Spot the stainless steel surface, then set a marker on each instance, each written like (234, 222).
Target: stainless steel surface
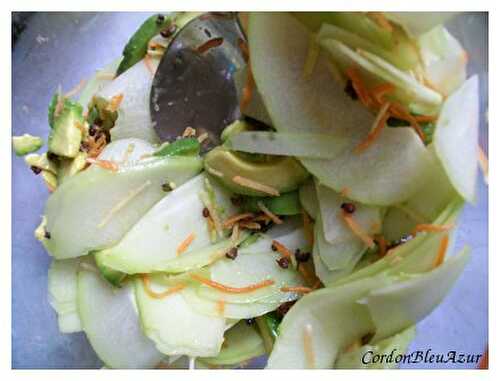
(193, 88)
(62, 48)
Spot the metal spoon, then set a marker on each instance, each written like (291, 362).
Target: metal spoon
(194, 84)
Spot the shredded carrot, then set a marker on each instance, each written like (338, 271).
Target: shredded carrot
(382, 245)
(443, 246)
(316, 284)
(247, 92)
(149, 65)
(431, 228)
(59, 104)
(359, 88)
(308, 228)
(188, 132)
(159, 295)
(238, 217)
(262, 217)
(185, 244)
(298, 289)
(376, 130)
(381, 20)
(230, 289)
(483, 164)
(282, 249)
(75, 90)
(425, 118)
(242, 44)
(380, 91)
(114, 103)
(308, 275)
(270, 214)
(356, 229)
(250, 225)
(308, 346)
(221, 306)
(105, 164)
(248, 183)
(210, 44)
(399, 111)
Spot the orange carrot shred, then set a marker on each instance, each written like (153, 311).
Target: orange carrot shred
(308, 229)
(443, 245)
(382, 245)
(282, 249)
(247, 92)
(185, 244)
(149, 65)
(431, 228)
(221, 306)
(159, 295)
(356, 229)
(114, 103)
(250, 225)
(359, 87)
(230, 289)
(213, 43)
(270, 214)
(105, 164)
(380, 91)
(238, 217)
(484, 361)
(483, 164)
(298, 289)
(75, 90)
(379, 124)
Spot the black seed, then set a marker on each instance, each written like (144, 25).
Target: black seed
(166, 187)
(93, 130)
(250, 321)
(302, 256)
(84, 147)
(47, 234)
(348, 207)
(395, 122)
(35, 170)
(206, 212)
(273, 247)
(366, 338)
(168, 32)
(284, 308)
(283, 262)
(207, 33)
(160, 19)
(349, 89)
(232, 253)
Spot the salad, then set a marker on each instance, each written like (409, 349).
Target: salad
(320, 229)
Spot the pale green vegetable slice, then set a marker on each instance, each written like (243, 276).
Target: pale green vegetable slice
(321, 323)
(364, 357)
(417, 23)
(95, 208)
(456, 136)
(250, 267)
(400, 305)
(376, 70)
(62, 289)
(390, 171)
(134, 119)
(209, 307)
(415, 255)
(326, 320)
(309, 199)
(444, 59)
(96, 83)
(110, 321)
(334, 228)
(175, 327)
(154, 240)
(309, 145)
(127, 150)
(241, 343)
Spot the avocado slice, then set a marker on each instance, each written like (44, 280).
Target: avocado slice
(180, 147)
(284, 174)
(65, 136)
(41, 162)
(26, 144)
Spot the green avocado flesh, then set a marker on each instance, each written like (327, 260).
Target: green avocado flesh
(284, 174)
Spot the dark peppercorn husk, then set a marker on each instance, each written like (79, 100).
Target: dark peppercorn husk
(93, 130)
(206, 213)
(250, 321)
(348, 207)
(232, 253)
(168, 32)
(52, 156)
(84, 147)
(166, 187)
(273, 247)
(35, 170)
(47, 234)
(160, 19)
(301, 256)
(349, 89)
(366, 338)
(282, 310)
(283, 262)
